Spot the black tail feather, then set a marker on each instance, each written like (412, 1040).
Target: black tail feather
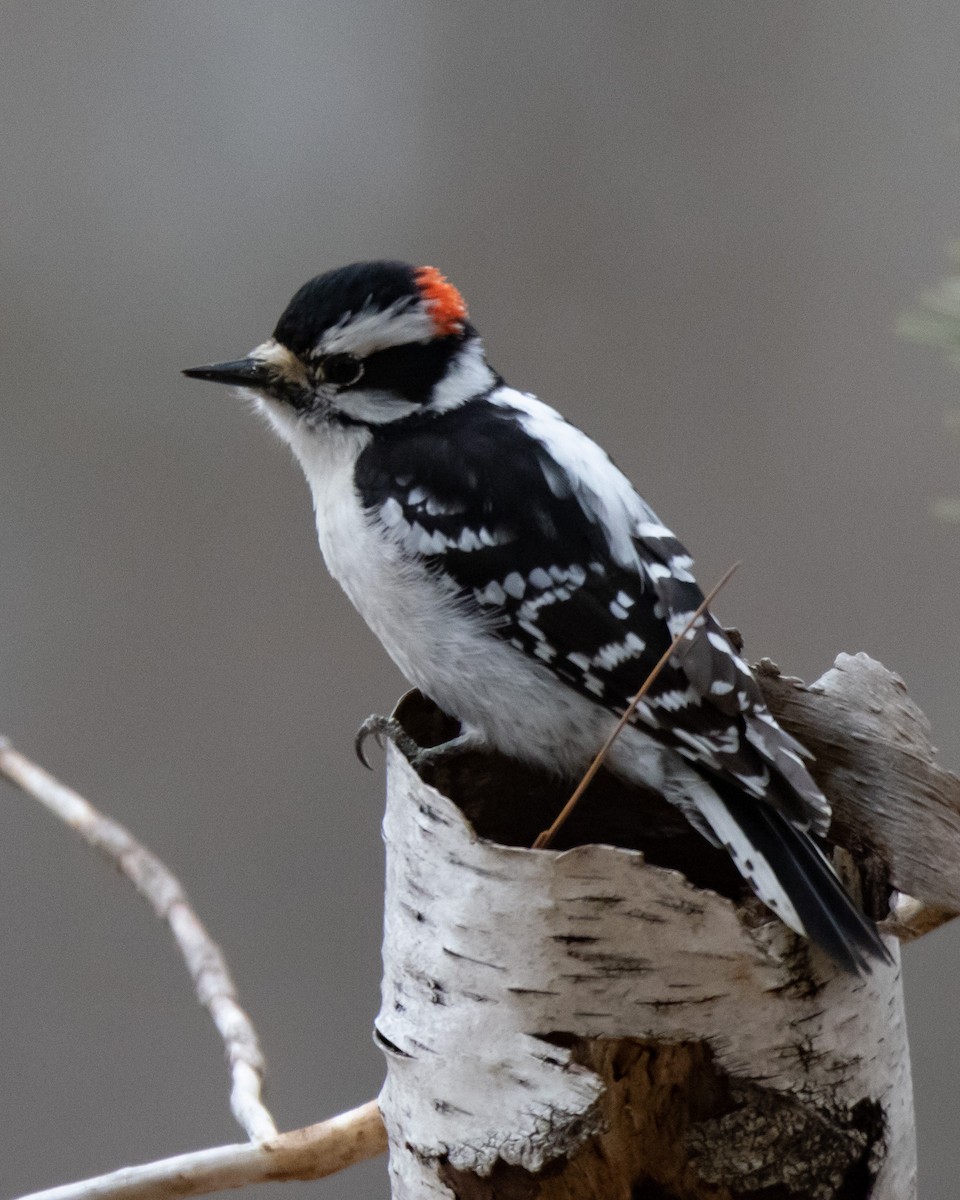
(830, 918)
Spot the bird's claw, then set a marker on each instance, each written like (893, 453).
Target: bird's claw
(419, 757)
(378, 728)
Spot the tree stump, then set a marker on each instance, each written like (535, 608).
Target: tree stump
(619, 1017)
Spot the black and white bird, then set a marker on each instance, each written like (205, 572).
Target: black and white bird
(516, 577)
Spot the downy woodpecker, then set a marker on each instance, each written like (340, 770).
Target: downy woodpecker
(516, 577)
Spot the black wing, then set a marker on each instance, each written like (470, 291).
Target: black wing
(486, 504)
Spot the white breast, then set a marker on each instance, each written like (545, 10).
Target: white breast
(511, 700)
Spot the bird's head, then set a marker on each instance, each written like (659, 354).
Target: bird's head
(368, 344)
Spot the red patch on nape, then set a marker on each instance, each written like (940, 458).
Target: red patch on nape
(445, 303)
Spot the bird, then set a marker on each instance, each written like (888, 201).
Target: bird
(518, 579)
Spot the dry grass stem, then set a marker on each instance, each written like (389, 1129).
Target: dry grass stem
(547, 836)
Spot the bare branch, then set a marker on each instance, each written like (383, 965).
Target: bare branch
(308, 1153)
(910, 918)
(161, 889)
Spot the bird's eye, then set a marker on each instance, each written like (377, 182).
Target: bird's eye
(341, 369)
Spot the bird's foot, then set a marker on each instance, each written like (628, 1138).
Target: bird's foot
(419, 757)
(378, 728)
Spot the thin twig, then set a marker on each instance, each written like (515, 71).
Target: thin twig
(546, 837)
(309, 1153)
(161, 889)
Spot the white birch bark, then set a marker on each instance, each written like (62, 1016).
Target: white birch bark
(491, 951)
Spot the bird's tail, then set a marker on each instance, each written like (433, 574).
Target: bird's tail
(790, 874)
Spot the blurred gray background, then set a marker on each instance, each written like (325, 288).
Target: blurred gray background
(690, 226)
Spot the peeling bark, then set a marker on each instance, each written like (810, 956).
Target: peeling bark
(622, 1020)
(674, 1125)
(874, 760)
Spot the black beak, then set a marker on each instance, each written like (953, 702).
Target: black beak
(244, 372)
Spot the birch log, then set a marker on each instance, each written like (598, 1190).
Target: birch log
(622, 1021)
